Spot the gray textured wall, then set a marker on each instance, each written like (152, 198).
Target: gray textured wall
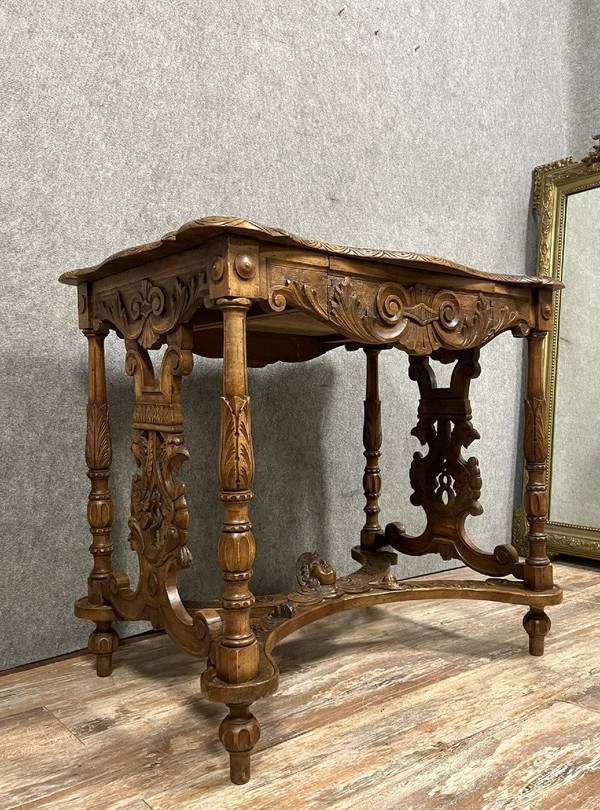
(409, 125)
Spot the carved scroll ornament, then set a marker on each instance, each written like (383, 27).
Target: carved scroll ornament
(417, 318)
(149, 311)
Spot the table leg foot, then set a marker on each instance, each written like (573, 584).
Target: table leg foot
(239, 733)
(537, 624)
(102, 643)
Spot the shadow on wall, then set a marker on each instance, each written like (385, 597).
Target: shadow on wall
(289, 408)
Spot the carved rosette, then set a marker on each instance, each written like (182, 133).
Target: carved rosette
(417, 318)
(150, 310)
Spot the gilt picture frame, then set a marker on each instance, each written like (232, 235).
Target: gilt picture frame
(553, 184)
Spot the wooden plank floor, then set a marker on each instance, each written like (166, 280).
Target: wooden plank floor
(419, 706)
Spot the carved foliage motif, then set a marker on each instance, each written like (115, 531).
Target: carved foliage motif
(159, 513)
(297, 294)
(149, 311)
(431, 319)
(236, 464)
(575, 543)
(98, 452)
(444, 481)
(535, 441)
(592, 161)
(417, 318)
(372, 436)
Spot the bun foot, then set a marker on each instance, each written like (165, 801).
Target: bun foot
(102, 643)
(537, 624)
(239, 733)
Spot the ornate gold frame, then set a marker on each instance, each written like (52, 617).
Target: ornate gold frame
(552, 183)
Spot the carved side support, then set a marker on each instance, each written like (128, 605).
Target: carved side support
(237, 652)
(446, 484)
(537, 570)
(372, 444)
(159, 513)
(98, 453)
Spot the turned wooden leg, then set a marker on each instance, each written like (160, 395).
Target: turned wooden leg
(239, 733)
(537, 569)
(102, 643)
(537, 624)
(237, 652)
(372, 445)
(98, 454)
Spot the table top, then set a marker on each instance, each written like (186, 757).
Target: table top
(199, 231)
(304, 297)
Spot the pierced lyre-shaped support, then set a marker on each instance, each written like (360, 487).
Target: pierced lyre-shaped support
(446, 484)
(159, 514)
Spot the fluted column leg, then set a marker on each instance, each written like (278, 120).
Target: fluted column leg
(537, 569)
(98, 453)
(372, 443)
(237, 653)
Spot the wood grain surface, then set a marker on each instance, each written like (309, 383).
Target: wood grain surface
(435, 705)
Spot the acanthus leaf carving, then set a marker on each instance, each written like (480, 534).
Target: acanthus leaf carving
(417, 318)
(421, 319)
(297, 294)
(98, 451)
(236, 462)
(150, 310)
(535, 440)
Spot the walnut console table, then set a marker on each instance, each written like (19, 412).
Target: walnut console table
(222, 287)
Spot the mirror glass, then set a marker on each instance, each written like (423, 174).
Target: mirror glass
(575, 472)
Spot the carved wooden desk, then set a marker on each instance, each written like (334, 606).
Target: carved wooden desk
(253, 295)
